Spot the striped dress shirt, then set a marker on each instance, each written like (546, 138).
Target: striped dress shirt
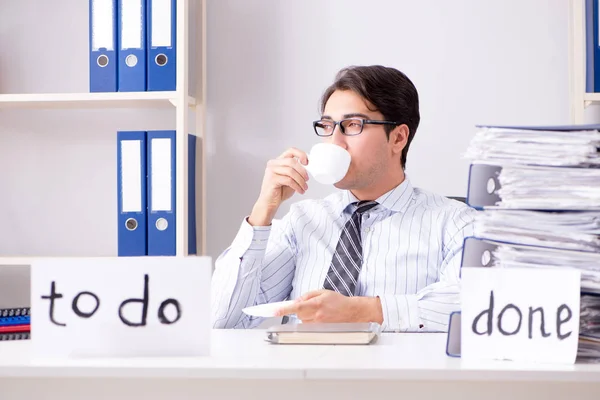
(412, 247)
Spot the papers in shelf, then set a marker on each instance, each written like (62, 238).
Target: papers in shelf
(555, 146)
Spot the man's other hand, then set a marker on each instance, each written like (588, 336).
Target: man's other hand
(329, 306)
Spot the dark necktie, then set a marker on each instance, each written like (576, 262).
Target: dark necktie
(347, 259)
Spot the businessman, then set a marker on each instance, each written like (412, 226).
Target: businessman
(378, 250)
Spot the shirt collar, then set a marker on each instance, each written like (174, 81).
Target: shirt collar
(396, 199)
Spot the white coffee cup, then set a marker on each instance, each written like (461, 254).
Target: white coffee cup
(328, 163)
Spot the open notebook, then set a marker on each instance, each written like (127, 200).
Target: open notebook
(324, 333)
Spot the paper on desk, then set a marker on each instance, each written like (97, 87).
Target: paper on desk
(267, 309)
(492, 329)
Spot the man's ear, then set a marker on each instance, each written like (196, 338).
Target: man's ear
(399, 138)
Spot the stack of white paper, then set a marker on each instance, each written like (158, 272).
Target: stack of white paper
(588, 348)
(511, 256)
(548, 213)
(575, 230)
(536, 146)
(554, 188)
(590, 316)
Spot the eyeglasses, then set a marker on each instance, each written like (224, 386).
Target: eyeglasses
(348, 127)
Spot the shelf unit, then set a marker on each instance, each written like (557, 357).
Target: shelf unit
(186, 105)
(92, 100)
(579, 99)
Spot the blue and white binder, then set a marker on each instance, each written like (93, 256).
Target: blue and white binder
(192, 234)
(161, 193)
(132, 45)
(103, 45)
(453, 339)
(483, 186)
(131, 193)
(593, 54)
(591, 43)
(162, 67)
(478, 252)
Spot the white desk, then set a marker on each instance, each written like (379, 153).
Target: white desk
(243, 366)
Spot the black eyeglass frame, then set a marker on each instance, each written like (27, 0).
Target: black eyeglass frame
(343, 130)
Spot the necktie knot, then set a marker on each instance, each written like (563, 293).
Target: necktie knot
(364, 206)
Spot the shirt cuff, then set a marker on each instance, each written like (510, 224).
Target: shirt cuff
(400, 313)
(251, 241)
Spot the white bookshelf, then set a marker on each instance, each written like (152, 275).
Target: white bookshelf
(16, 261)
(188, 102)
(93, 100)
(590, 98)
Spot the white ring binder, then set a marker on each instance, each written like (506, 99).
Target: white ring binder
(131, 60)
(162, 224)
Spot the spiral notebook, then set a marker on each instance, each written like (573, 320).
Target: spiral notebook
(14, 336)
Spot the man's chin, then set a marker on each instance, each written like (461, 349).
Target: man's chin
(344, 184)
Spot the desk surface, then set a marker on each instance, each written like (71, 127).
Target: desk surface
(243, 354)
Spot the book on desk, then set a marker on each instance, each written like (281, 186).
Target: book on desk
(324, 333)
(15, 323)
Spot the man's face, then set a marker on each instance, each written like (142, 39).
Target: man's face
(371, 152)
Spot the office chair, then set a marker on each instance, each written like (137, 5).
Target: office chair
(461, 199)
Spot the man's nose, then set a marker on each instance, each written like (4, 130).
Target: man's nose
(337, 137)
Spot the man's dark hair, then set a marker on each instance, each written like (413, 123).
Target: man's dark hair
(386, 89)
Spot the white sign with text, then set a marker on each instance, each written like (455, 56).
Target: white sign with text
(520, 314)
(120, 306)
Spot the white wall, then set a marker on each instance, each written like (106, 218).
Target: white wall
(472, 61)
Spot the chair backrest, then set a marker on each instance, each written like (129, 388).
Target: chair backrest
(461, 199)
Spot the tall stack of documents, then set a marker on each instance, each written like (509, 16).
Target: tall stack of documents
(538, 192)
